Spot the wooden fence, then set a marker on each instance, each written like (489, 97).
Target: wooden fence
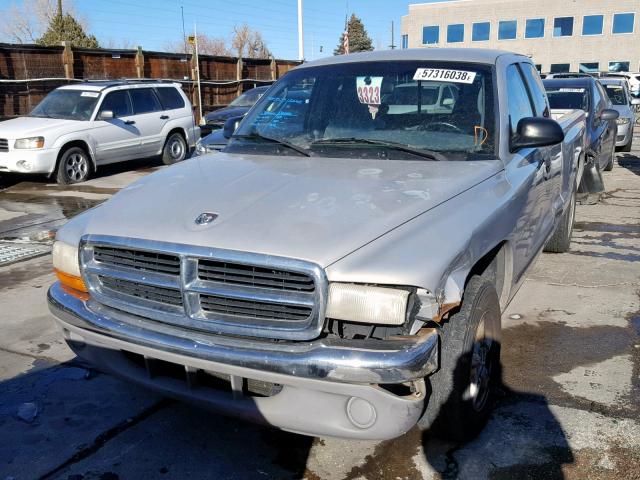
(29, 72)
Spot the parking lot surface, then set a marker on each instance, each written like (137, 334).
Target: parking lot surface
(569, 406)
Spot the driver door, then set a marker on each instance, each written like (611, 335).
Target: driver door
(116, 138)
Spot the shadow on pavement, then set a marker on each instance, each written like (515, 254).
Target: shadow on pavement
(630, 161)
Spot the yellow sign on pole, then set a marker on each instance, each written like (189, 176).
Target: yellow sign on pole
(191, 39)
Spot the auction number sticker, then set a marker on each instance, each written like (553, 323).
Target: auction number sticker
(457, 76)
(572, 90)
(90, 94)
(369, 90)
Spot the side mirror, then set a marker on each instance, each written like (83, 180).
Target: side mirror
(447, 102)
(635, 101)
(231, 125)
(536, 132)
(106, 115)
(609, 114)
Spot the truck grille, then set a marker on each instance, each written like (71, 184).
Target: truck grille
(4, 145)
(212, 290)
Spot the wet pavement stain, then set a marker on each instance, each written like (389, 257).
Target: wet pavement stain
(532, 354)
(20, 274)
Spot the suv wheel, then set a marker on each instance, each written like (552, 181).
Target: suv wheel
(462, 389)
(175, 149)
(74, 166)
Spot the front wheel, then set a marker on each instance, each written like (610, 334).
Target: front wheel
(561, 238)
(175, 149)
(74, 166)
(463, 388)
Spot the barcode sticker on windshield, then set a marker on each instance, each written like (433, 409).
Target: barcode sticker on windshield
(90, 94)
(444, 74)
(572, 90)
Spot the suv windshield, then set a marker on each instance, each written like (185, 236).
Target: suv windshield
(247, 99)
(401, 109)
(67, 104)
(568, 98)
(617, 94)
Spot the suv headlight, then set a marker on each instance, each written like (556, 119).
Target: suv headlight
(31, 142)
(367, 304)
(622, 120)
(66, 264)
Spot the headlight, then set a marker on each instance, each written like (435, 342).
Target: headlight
(622, 120)
(361, 303)
(31, 142)
(67, 265)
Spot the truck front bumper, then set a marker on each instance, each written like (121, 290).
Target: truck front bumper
(327, 387)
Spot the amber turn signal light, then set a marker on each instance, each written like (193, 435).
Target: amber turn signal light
(75, 283)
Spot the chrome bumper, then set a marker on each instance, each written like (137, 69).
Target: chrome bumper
(396, 360)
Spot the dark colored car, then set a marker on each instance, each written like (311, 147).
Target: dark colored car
(238, 107)
(586, 93)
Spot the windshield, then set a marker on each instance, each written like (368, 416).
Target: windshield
(568, 98)
(247, 99)
(67, 104)
(376, 110)
(617, 94)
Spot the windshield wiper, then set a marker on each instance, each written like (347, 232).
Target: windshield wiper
(430, 154)
(284, 143)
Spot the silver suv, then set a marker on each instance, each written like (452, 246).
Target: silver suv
(78, 128)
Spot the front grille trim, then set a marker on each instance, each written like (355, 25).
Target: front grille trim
(4, 145)
(195, 312)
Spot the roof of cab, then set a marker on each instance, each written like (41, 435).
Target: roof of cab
(474, 55)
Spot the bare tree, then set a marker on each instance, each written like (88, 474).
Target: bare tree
(206, 46)
(249, 43)
(27, 21)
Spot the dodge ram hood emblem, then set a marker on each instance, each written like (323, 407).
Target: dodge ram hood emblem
(205, 218)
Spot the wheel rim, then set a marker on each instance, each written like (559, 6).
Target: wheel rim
(481, 367)
(176, 148)
(76, 167)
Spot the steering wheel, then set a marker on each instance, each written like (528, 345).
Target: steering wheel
(450, 126)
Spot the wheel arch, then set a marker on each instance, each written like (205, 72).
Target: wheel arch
(75, 143)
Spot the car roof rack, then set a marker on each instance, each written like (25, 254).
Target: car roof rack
(127, 81)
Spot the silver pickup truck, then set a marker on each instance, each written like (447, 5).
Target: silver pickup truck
(341, 268)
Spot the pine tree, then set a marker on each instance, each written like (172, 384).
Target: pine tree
(359, 40)
(66, 28)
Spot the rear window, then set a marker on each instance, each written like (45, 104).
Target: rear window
(144, 100)
(568, 98)
(617, 94)
(170, 98)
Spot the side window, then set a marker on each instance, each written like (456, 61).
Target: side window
(603, 94)
(536, 88)
(598, 101)
(170, 98)
(518, 97)
(144, 100)
(118, 102)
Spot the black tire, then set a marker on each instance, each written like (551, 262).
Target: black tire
(609, 166)
(560, 241)
(627, 147)
(74, 166)
(458, 408)
(175, 149)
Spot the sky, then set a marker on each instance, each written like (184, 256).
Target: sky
(153, 23)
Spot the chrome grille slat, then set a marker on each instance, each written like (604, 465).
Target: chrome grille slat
(4, 145)
(206, 289)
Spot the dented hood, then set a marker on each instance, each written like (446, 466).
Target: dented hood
(316, 209)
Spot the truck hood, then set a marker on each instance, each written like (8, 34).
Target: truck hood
(24, 127)
(315, 209)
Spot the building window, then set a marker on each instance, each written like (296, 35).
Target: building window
(538, 67)
(589, 67)
(592, 24)
(481, 31)
(623, 22)
(563, 27)
(507, 29)
(405, 41)
(534, 28)
(430, 35)
(560, 67)
(455, 33)
(618, 66)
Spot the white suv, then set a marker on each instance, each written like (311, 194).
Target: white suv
(77, 128)
(633, 81)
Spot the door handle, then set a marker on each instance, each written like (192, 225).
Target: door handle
(164, 117)
(130, 122)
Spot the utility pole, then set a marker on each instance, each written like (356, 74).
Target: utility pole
(195, 34)
(393, 44)
(300, 33)
(60, 7)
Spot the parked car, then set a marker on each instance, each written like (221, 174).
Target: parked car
(633, 79)
(588, 94)
(212, 143)
(625, 104)
(338, 269)
(238, 107)
(78, 128)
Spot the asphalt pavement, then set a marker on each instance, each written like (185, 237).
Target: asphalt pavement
(569, 406)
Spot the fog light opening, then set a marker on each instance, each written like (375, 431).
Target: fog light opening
(24, 165)
(361, 413)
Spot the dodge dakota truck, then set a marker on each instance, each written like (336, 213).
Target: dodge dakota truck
(341, 267)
